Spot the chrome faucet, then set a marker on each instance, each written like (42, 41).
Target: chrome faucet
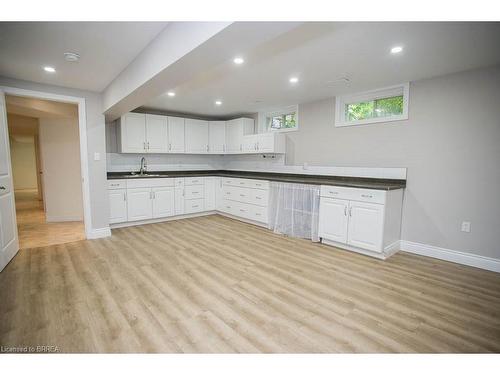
(143, 166)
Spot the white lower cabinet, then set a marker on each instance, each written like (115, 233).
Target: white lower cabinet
(333, 219)
(163, 201)
(179, 196)
(139, 205)
(368, 221)
(117, 205)
(210, 193)
(245, 198)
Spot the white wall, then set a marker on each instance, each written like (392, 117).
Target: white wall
(450, 145)
(99, 206)
(60, 155)
(23, 160)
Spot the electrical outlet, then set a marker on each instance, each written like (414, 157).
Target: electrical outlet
(305, 166)
(97, 156)
(465, 226)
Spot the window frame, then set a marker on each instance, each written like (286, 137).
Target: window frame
(280, 112)
(386, 92)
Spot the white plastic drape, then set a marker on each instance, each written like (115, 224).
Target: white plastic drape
(294, 210)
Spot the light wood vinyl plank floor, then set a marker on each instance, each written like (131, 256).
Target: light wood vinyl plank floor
(35, 231)
(213, 284)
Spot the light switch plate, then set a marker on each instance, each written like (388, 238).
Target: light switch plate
(97, 156)
(465, 226)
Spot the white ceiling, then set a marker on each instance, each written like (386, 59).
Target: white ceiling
(106, 48)
(320, 53)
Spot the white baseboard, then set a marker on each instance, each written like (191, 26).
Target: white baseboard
(490, 264)
(55, 219)
(98, 233)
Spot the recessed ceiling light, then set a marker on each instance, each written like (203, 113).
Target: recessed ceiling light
(294, 80)
(238, 60)
(218, 102)
(71, 56)
(49, 69)
(396, 49)
(171, 93)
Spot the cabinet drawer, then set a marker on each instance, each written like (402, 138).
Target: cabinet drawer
(179, 182)
(259, 197)
(150, 182)
(194, 205)
(259, 184)
(245, 210)
(231, 181)
(117, 184)
(354, 194)
(194, 191)
(259, 214)
(193, 181)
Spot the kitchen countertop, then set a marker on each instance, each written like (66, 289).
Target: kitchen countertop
(357, 182)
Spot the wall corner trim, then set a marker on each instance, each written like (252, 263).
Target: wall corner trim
(98, 233)
(486, 263)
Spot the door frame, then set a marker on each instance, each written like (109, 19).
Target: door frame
(82, 125)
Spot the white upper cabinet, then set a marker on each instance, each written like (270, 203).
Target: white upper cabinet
(196, 141)
(156, 134)
(235, 131)
(146, 133)
(132, 133)
(175, 135)
(217, 137)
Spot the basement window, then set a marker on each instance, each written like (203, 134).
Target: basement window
(282, 120)
(382, 105)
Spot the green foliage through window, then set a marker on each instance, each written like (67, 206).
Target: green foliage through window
(285, 121)
(384, 107)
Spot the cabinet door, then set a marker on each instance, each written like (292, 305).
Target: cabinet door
(196, 141)
(210, 197)
(219, 195)
(163, 202)
(133, 133)
(366, 225)
(139, 205)
(333, 219)
(234, 136)
(179, 200)
(175, 134)
(117, 206)
(217, 137)
(156, 134)
(265, 142)
(250, 144)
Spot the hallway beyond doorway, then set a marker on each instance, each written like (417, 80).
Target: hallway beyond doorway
(33, 229)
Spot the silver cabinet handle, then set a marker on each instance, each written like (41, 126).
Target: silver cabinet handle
(195, 206)
(333, 192)
(241, 147)
(242, 195)
(124, 197)
(345, 210)
(170, 147)
(242, 210)
(257, 214)
(144, 145)
(257, 145)
(367, 196)
(258, 198)
(350, 211)
(207, 148)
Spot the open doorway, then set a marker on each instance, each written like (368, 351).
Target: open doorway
(45, 157)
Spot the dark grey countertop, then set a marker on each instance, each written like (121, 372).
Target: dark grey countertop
(357, 182)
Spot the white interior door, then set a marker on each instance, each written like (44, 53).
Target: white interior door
(9, 241)
(196, 136)
(333, 219)
(175, 134)
(157, 134)
(217, 137)
(366, 225)
(163, 202)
